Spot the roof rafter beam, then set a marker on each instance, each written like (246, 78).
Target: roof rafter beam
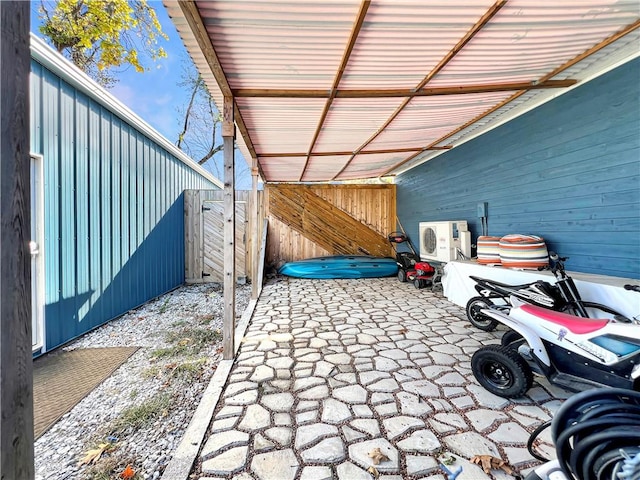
(387, 93)
(193, 18)
(606, 42)
(477, 27)
(355, 31)
(366, 152)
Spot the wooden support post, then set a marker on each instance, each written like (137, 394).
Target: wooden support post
(228, 137)
(255, 247)
(16, 364)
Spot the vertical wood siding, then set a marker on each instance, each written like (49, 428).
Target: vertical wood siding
(114, 225)
(314, 220)
(568, 171)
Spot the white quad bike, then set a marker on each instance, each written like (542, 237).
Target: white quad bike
(573, 352)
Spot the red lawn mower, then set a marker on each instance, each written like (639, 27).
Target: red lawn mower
(410, 268)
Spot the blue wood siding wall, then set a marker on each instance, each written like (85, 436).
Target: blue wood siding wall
(568, 171)
(114, 221)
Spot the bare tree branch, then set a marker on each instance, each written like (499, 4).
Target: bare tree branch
(210, 154)
(197, 85)
(214, 149)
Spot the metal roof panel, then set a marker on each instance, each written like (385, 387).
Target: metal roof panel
(345, 89)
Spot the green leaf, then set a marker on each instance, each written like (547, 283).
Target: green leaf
(99, 35)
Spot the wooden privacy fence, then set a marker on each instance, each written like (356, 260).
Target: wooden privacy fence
(315, 220)
(204, 232)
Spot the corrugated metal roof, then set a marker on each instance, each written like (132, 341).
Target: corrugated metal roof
(348, 89)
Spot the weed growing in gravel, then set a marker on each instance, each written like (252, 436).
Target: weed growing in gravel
(137, 416)
(102, 469)
(189, 371)
(164, 306)
(206, 319)
(151, 372)
(166, 352)
(188, 341)
(108, 468)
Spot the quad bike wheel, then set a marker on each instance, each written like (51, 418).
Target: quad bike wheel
(509, 337)
(402, 275)
(500, 370)
(476, 317)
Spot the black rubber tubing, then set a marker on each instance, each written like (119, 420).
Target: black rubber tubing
(609, 463)
(533, 437)
(563, 446)
(595, 398)
(615, 440)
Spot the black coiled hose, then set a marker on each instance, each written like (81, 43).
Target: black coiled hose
(595, 432)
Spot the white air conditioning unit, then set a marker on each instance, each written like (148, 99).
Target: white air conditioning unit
(441, 241)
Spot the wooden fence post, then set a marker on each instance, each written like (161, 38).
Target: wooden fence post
(255, 254)
(228, 137)
(16, 364)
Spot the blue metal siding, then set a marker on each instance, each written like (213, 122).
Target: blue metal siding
(568, 171)
(114, 212)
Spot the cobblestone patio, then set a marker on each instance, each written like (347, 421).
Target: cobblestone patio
(329, 370)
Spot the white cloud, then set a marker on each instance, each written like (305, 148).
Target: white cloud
(125, 93)
(165, 99)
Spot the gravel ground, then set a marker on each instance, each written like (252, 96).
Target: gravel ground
(141, 411)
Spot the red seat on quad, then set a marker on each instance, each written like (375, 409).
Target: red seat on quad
(577, 325)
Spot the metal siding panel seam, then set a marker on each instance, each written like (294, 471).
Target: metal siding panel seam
(106, 224)
(116, 195)
(52, 218)
(96, 156)
(68, 252)
(35, 108)
(124, 207)
(81, 185)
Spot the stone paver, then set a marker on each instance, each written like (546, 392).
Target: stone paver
(331, 370)
(255, 418)
(351, 394)
(398, 426)
(422, 441)
(469, 444)
(420, 464)
(316, 473)
(360, 455)
(335, 411)
(349, 471)
(330, 450)
(281, 464)
(227, 462)
(223, 440)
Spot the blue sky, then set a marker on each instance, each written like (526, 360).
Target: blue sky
(155, 95)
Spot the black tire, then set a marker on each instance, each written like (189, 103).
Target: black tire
(418, 283)
(509, 337)
(402, 275)
(501, 371)
(477, 319)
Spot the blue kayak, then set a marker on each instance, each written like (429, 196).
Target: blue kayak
(341, 266)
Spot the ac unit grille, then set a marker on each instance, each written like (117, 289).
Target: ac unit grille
(430, 241)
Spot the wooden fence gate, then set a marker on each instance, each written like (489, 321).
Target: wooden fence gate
(204, 232)
(213, 239)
